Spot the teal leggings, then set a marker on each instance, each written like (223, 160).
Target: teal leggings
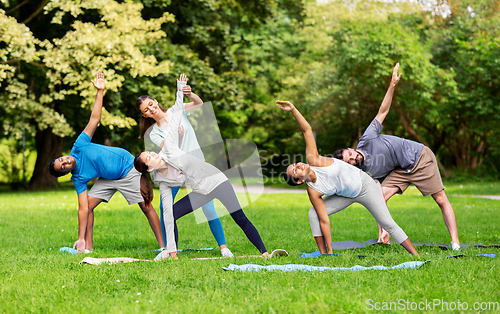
(212, 217)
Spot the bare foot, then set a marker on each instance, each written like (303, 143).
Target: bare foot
(266, 255)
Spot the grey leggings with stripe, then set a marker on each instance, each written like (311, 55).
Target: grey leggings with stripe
(371, 198)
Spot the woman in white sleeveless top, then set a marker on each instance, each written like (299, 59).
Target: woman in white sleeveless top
(341, 184)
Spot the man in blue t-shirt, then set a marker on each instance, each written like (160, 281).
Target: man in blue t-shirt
(114, 168)
(404, 162)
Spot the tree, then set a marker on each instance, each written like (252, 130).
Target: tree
(232, 49)
(52, 80)
(448, 97)
(467, 44)
(207, 40)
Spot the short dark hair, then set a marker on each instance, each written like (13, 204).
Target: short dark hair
(291, 180)
(140, 165)
(339, 154)
(55, 172)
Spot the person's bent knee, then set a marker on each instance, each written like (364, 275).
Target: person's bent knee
(146, 208)
(389, 192)
(440, 198)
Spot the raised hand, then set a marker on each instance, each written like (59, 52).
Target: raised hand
(395, 76)
(181, 82)
(186, 90)
(99, 83)
(285, 105)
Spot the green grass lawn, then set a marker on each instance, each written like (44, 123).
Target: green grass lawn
(36, 277)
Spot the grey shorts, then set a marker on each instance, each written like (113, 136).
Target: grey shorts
(129, 186)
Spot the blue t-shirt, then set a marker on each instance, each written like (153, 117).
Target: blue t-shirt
(384, 153)
(98, 161)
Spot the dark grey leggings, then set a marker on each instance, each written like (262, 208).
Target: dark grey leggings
(370, 197)
(225, 194)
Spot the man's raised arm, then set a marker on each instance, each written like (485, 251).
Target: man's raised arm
(386, 103)
(95, 117)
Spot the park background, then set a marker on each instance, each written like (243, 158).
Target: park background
(332, 59)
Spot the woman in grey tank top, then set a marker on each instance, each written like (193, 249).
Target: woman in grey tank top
(342, 185)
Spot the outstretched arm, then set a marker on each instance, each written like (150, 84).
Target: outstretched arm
(324, 222)
(179, 94)
(83, 211)
(95, 117)
(170, 146)
(312, 154)
(386, 103)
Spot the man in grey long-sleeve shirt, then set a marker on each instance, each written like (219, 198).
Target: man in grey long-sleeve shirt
(404, 162)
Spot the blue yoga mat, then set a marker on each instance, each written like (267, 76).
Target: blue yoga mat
(68, 249)
(300, 267)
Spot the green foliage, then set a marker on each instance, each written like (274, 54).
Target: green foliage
(16, 98)
(11, 163)
(447, 97)
(113, 44)
(51, 84)
(333, 60)
(468, 45)
(222, 37)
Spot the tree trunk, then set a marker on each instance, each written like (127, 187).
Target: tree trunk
(479, 150)
(48, 146)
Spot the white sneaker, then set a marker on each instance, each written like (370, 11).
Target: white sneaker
(162, 255)
(87, 251)
(226, 252)
(455, 246)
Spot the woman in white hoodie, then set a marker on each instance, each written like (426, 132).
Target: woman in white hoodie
(174, 167)
(153, 125)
